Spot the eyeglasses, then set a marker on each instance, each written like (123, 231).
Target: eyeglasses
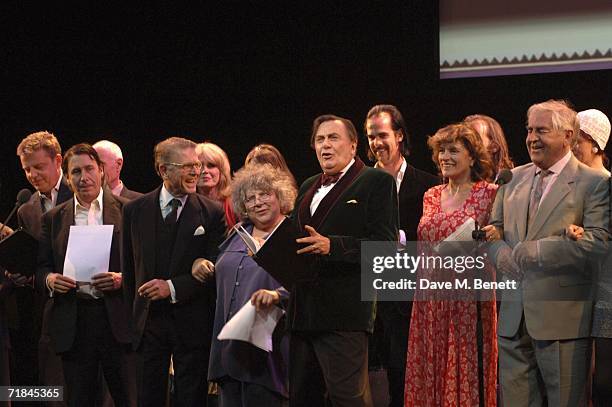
(187, 166)
(251, 200)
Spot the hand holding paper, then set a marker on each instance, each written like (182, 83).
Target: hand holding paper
(107, 281)
(59, 283)
(250, 325)
(263, 299)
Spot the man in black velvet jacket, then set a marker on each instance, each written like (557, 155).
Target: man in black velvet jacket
(347, 204)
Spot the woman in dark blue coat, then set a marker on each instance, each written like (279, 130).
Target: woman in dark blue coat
(249, 376)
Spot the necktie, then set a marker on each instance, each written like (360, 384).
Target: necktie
(171, 217)
(536, 196)
(327, 179)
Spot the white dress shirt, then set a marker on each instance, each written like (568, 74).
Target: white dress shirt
(85, 217)
(49, 203)
(324, 190)
(398, 183)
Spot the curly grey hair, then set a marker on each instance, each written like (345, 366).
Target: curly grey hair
(265, 178)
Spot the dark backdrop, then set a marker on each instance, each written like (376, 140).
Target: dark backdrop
(239, 73)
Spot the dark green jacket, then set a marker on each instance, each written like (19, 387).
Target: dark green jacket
(362, 206)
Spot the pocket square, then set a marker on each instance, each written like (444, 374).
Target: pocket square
(199, 231)
(352, 201)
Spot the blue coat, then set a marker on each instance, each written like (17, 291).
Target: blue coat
(238, 276)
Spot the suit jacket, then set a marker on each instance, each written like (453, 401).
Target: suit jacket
(362, 206)
(52, 252)
(129, 194)
(29, 217)
(413, 187)
(555, 296)
(30, 213)
(194, 311)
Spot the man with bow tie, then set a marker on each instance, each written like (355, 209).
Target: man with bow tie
(347, 204)
(166, 232)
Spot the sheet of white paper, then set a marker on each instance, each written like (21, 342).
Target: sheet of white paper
(88, 251)
(462, 234)
(250, 325)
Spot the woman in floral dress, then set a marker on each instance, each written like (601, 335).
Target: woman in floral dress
(448, 365)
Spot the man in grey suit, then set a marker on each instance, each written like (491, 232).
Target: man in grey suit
(112, 159)
(544, 325)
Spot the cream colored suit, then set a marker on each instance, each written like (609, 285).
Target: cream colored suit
(554, 296)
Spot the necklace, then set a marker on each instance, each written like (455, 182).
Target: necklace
(459, 188)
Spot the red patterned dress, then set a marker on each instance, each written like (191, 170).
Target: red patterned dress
(442, 367)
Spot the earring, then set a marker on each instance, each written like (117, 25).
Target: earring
(595, 150)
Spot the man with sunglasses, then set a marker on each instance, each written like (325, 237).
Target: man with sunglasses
(166, 232)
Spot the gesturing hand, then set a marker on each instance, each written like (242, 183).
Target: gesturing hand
(317, 243)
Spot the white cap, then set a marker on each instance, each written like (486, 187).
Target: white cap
(595, 124)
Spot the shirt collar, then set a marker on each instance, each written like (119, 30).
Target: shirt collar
(99, 198)
(400, 173)
(165, 197)
(59, 181)
(557, 167)
(117, 190)
(55, 190)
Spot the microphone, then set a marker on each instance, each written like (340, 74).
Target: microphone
(23, 196)
(502, 178)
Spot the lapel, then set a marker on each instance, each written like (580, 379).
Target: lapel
(111, 213)
(328, 203)
(556, 193)
(407, 186)
(67, 220)
(64, 193)
(189, 219)
(150, 212)
(522, 193)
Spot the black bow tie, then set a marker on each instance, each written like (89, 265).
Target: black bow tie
(327, 179)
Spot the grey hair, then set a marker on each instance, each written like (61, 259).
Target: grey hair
(263, 177)
(110, 146)
(563, 116)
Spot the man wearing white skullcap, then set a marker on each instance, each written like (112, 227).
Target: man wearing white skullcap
(592, 140)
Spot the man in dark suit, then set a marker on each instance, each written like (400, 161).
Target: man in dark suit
(389, 145)
(165, 231)
(347, 204)
(112, 159)
(88, 323)
(34, 360)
